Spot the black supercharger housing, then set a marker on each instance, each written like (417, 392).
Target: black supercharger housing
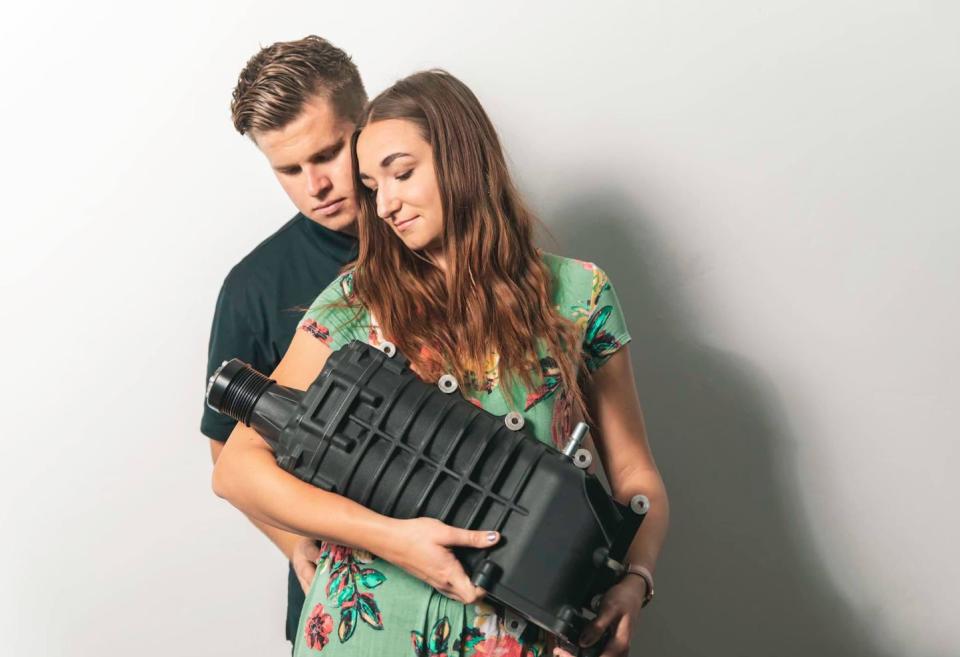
(369, 429)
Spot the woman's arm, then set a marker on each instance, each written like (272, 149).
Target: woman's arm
(621, 442)
(247, 475)
(622, 446)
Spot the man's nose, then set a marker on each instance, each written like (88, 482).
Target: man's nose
(318, 183)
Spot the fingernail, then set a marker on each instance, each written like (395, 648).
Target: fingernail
(491, 537)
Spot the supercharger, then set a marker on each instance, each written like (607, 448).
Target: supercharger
(369, 429)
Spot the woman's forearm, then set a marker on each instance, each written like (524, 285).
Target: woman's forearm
(247, 476)
(646, 545)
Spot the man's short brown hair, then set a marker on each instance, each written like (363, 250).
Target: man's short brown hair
(278, 80)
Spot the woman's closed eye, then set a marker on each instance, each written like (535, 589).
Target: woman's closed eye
(400, 176)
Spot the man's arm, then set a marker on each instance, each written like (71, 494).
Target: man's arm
(232, 336)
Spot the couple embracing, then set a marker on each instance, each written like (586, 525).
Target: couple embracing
(410, 229)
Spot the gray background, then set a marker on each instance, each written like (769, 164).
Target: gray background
(772, 187)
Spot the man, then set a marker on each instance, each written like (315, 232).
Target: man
(299, 102)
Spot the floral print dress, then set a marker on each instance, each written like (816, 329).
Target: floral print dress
(361, 605)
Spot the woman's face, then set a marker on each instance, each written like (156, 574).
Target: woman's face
(396, 164)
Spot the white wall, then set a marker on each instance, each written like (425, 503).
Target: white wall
(772, 187)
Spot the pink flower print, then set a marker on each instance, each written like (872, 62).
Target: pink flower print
(318, 628)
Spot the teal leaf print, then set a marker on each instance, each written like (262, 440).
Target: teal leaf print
(372, 578)
(348, 623)
(439, 636)
(597, 321)
(550, 372)
(334, 584)
(597, 343)
(469, 637)
(348, 573)
(346, 286)
(369, 611)
(346, 594)
(419, 648)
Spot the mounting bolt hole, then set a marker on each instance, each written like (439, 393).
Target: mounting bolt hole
(639, 504)
(513, 420)
(582, 458)
(447, 383)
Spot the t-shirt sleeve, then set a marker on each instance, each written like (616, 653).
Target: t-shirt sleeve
(331, 320)
(606, 330)
(230, 337)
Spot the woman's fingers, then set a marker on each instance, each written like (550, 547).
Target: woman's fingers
(599, 624)
(473, 538)
(619, 643)
(465, 591)
(462, 588)
(429, 556)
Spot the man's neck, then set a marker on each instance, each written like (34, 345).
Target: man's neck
(347, 229)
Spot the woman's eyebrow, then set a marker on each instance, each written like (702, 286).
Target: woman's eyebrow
(385, 162)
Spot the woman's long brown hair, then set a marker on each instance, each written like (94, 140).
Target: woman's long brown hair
(496, 294)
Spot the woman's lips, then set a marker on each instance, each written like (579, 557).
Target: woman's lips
(331, 208)
(405, 224)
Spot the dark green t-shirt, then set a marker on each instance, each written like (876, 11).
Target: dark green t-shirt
(261, 302)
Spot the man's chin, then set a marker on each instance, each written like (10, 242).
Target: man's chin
(343, 221)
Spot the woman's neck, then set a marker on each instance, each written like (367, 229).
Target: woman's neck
(438, 258)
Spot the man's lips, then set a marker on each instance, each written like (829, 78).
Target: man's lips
(403, 225)
(330, 208)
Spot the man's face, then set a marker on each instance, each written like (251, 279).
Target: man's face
(311, 159)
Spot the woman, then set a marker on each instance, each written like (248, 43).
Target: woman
(447, 271)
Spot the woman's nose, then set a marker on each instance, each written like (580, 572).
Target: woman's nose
(387, 205)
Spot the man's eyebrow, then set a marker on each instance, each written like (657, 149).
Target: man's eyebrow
(331, 149)
(323, 152)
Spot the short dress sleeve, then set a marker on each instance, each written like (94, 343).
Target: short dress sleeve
(606, 330)
(336, 317)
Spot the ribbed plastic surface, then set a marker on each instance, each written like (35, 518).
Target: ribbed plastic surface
(369, 429)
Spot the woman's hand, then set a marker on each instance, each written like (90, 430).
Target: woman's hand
(619, 611)
(422, 547)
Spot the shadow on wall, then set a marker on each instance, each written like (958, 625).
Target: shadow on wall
(737, 576)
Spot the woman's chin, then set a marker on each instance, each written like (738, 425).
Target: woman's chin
(415, 242)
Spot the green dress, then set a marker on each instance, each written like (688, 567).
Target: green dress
(361, 605)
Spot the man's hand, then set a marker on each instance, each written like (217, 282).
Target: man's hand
(306, 552)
